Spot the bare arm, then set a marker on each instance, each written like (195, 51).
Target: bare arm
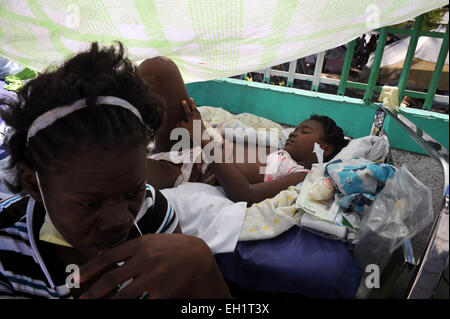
(237, 188)
(162, 174)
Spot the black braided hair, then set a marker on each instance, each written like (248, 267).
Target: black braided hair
(96, 72)
(333, 134)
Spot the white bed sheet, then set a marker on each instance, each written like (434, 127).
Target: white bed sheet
(205, 212)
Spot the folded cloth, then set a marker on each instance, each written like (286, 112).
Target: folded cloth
(358, 180)
(204, 211)
(272, 216)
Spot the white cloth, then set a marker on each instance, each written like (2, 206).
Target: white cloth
(245, 127)
(372, 148)
(204, 211)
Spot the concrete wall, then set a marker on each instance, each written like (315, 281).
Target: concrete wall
(291, 106)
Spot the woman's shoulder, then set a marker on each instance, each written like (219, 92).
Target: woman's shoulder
(156, 214)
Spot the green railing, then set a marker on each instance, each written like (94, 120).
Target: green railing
(343, 83)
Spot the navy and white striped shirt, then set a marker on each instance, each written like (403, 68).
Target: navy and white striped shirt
(28, 266)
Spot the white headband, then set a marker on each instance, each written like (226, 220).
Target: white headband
(50, 117)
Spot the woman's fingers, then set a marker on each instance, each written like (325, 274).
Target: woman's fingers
(187, 110)
(190, 110)
(193, 109)
(192, 105)
(110, 281)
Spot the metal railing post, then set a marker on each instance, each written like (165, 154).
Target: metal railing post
(267, 75)
(437, 72)
(291, 73)
(318, 71)
(346, 67)
(375, 69)
(409, 57)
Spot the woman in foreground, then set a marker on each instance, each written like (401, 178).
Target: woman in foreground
(79, 149)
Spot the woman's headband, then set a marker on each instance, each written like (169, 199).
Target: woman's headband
(48, 118)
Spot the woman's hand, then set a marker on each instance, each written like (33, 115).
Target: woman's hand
(161, 266)
(194, 118)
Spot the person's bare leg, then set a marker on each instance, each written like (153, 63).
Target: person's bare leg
(164, 78)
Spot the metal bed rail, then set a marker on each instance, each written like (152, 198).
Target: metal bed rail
(429, 268)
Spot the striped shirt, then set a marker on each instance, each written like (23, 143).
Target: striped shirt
(29, 267)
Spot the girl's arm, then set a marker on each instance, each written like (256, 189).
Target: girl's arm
(237, 188)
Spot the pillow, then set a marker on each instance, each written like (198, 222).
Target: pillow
(372, 148)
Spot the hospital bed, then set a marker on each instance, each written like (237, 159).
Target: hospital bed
(300, 262)
(303, 263)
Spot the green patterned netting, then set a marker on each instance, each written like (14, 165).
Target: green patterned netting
(207, 39)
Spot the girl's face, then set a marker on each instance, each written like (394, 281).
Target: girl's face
(300, 144)
(94, 200)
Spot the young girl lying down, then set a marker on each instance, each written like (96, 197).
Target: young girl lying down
(283, 168)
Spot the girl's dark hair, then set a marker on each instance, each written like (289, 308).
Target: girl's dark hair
(333, 134)
(96, 72)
